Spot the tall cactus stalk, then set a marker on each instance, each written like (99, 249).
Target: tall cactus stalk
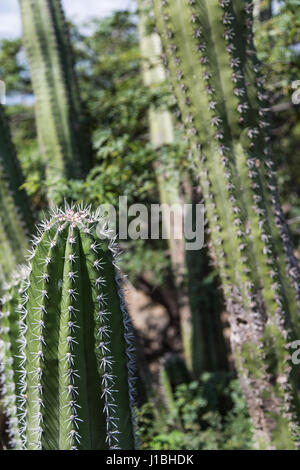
(77, 352)
(215, 75)
(199, 350)
(162, 133)
(64, 146)
(10, 360)
(16, 217)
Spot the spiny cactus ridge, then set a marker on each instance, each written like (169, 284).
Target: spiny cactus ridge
(76, 344)
(216, 78)
(10, 360)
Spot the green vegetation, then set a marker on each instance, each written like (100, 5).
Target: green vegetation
(207, 414)
(91, 116)
(215, 73)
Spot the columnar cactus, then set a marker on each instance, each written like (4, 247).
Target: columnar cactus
(77, 353)
(10, 361)
(162, 133)
(60, 127)
(198, 326)
(215, 75)
(16, 217)
(172, 372)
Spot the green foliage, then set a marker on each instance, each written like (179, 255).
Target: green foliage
(277, 41)
(9, 353)
(13, 70)
(209, 413)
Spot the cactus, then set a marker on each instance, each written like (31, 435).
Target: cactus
(60, 128)
(162, 133)
(9, 353)
(216, 78)
(77, 356)
(172, 372)
(16, 217)
(198, 326)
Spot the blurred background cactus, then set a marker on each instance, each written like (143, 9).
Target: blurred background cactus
(17, 220)
(10, 355)
(216, 77)
(62, 141)
(92, 116)
(76, 366)
(202, 352)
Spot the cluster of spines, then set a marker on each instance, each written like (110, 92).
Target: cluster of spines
(32, 381)
(279, 233)
(271, 186)
(107, 361)
(241, 133)
(9, 359)
(7, 384)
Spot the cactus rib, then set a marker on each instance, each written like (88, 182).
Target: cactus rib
(77, 347)
(215, 75)
(10, 363)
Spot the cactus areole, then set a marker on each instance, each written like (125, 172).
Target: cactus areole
(215, 75)
(77, 349)
(10, 360)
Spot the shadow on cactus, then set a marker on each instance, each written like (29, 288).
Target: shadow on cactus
(77, 353)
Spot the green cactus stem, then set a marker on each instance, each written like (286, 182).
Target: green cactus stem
(198, 326)
(77, 344)
(64, 146)
(172, 372)
(17, 221)
(216, 78)
(161, 134)
(10, 360)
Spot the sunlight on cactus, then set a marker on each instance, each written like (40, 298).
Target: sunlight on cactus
(77, 350)
(215, 75)
(62, 142)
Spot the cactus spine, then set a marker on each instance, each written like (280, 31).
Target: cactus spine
(216, 77)
(197, 324)
(15, 212)
(162, 133)
(10, 361)
(77, 353)
(60, 128)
